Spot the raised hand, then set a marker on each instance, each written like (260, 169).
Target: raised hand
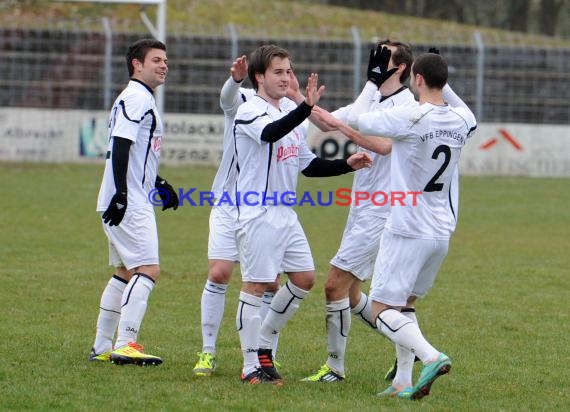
(378, 62)
(294, 90)
(313, 92)
(239, 69)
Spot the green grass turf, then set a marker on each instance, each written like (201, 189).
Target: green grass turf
(499, 307)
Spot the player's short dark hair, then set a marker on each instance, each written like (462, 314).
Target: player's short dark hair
(433, 68)
(139, 49)
(260, 60)
(403, 54)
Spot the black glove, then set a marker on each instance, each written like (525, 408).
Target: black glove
(433, 50)
(116, 210)
(167, 194)
(378, 63)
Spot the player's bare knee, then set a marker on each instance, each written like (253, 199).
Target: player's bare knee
(332, 289)
(220, 271)
(303, 280)
(274, 286)
(152, 271)
(338, 284)
(254, 288)
(124, 273)
(219, 274)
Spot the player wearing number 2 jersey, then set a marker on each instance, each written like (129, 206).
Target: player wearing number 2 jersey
(426, 145)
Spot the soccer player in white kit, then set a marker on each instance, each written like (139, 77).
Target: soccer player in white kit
(426, 145)
(388, 69)
(130, 177)
(270, 151)
(222, 247)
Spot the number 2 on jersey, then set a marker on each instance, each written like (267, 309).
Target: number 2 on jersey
(432, 185)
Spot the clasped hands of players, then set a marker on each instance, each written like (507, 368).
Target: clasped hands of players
(359, 160)
(115, 212)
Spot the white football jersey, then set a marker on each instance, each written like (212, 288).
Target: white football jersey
(134, 117)
(377, 177)
(231, 97)
(427, 142)
(267, 168)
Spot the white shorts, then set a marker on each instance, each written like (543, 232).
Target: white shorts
(222, 238)
(273, 242)
(406, 267)
(360, 244)
(134, 242)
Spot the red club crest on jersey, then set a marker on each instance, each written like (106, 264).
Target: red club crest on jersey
(156, 143)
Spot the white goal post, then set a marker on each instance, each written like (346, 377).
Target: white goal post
(158, 30)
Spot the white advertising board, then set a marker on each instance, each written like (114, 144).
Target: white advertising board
(40, 135)
(496, 149)
(78, 136)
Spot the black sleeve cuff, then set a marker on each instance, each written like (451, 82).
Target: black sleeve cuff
(324, 168)
(279, 128)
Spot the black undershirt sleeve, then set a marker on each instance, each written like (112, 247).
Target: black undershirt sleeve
(279, 128)
(324, 168)
(120, 162)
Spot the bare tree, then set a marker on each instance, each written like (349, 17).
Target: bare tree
(517, 18)
(549, 11)
(514, 15)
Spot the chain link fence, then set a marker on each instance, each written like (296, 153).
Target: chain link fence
(81, 66)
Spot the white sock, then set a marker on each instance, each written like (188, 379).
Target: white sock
(403, 331)
(248, 324)
(283, 307)
(135, 298)
(109, 315)
(406, 358)
(266, 303)
(338, 326)
(267, 299)
(363, 311)
(212, 306)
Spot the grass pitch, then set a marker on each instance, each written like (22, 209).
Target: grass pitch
(499, 307)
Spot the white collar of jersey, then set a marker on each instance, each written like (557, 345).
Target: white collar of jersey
(144, 85)
(382, 98)
(280, 101)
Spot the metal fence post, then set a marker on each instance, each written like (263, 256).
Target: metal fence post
(357, 42)
(234, 39)
(108, 67)
(480, 75)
